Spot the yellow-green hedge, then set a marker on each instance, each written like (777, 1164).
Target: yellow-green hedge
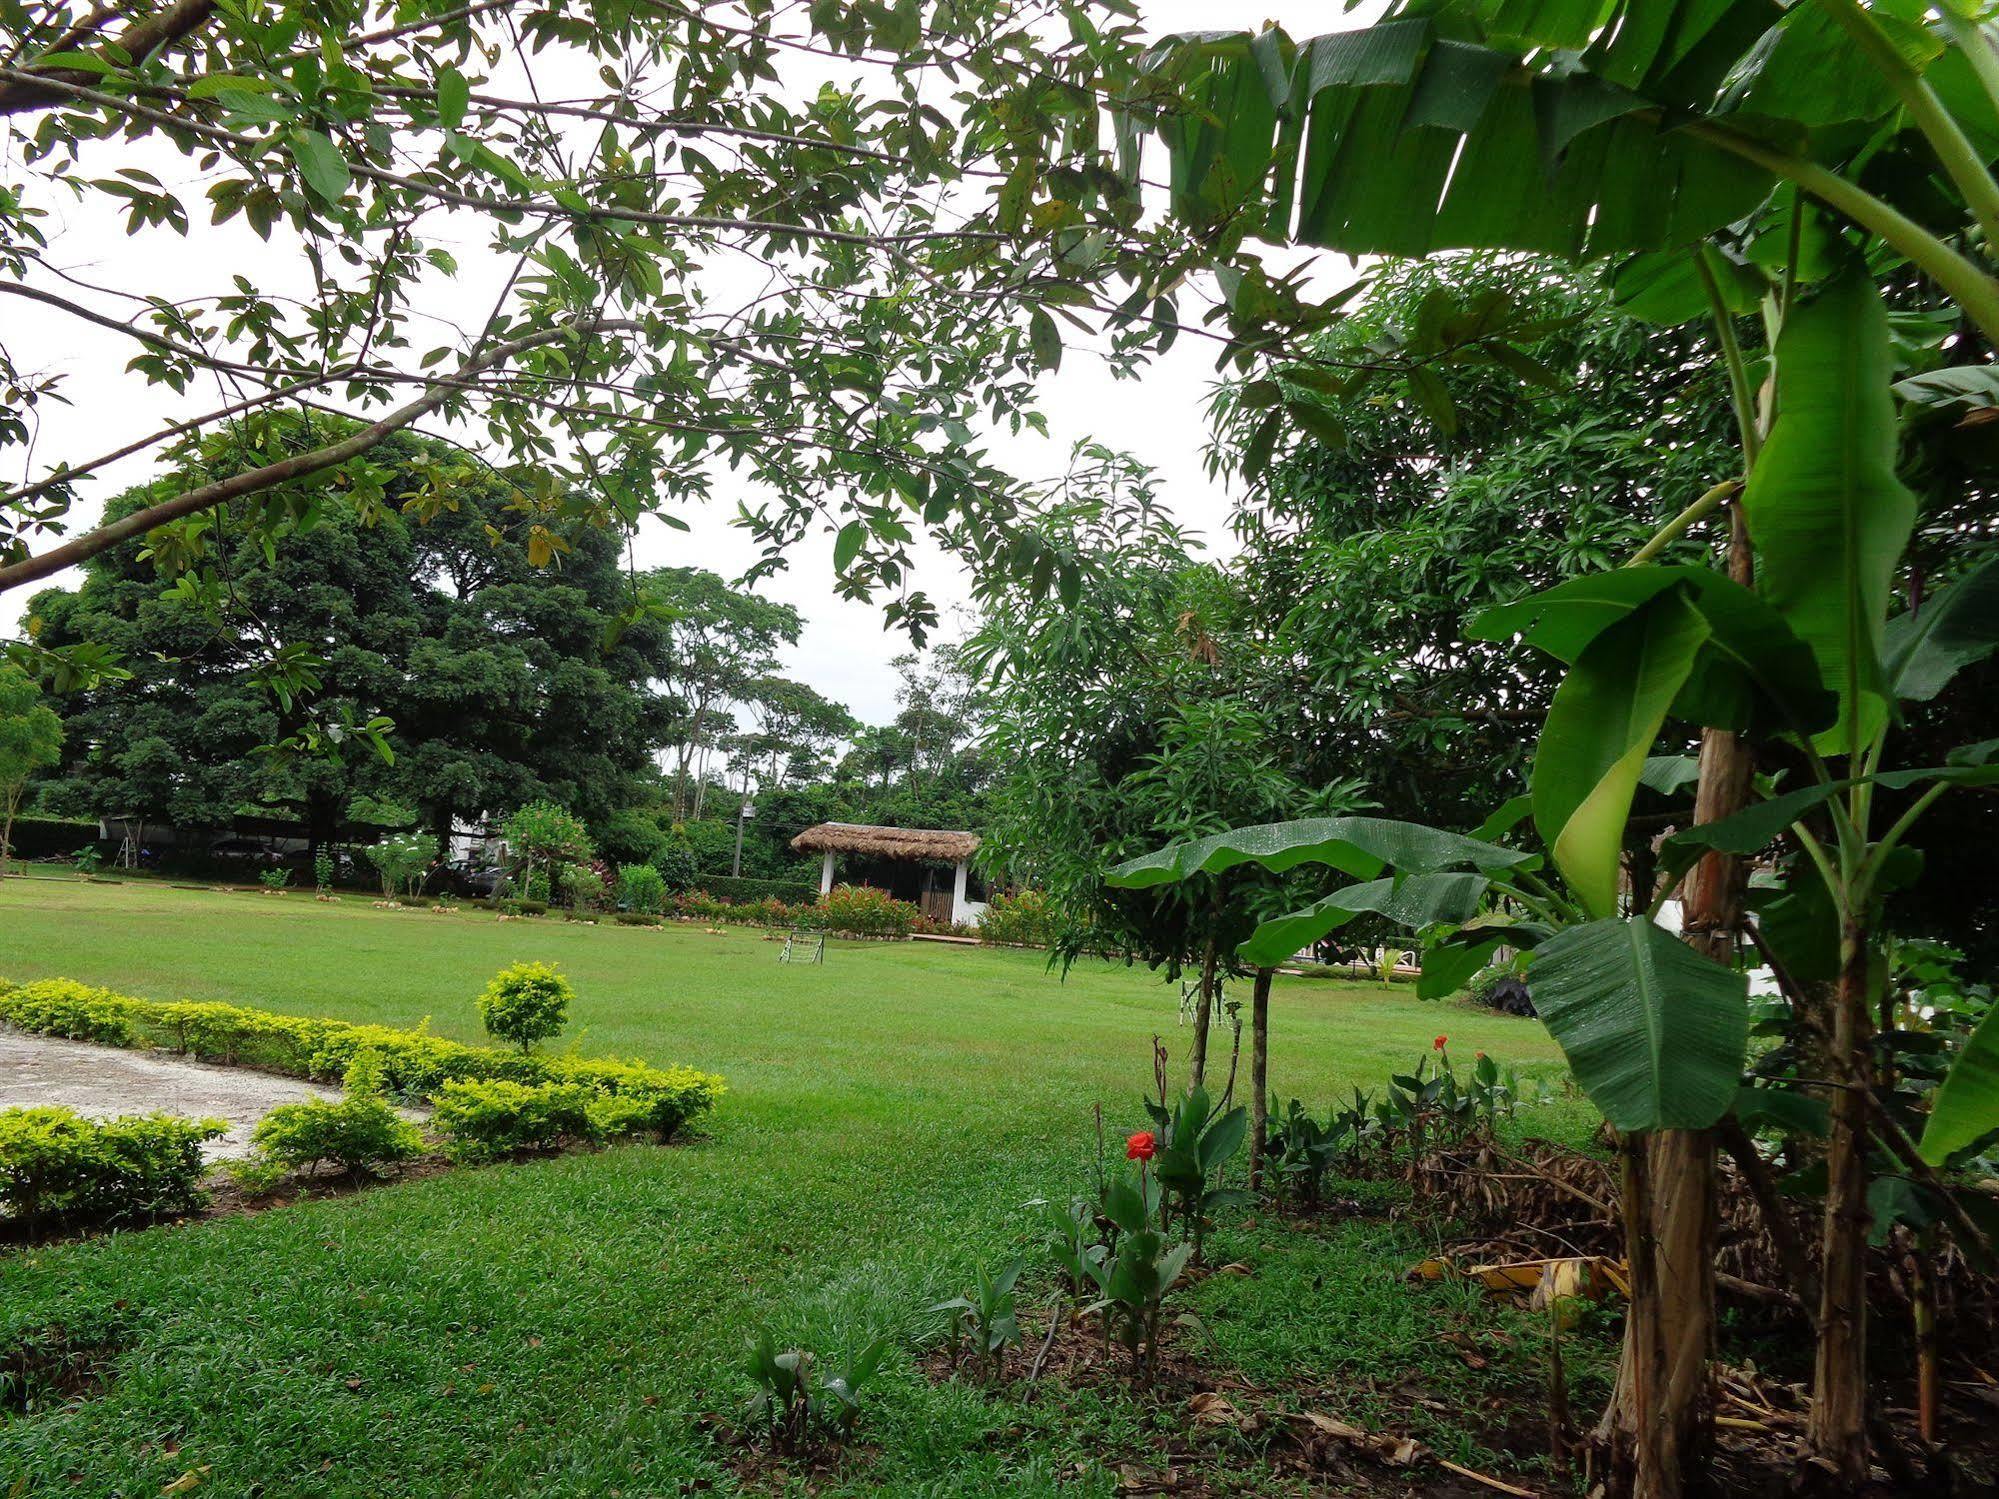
(415, 1064)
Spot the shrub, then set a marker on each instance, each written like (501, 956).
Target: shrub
(274, 879)
(630, 837)
(402, 860)
(484, 1121)
(640, 889)
(414, 1064)
(677, 865)
(730, 887)
(40, 837)
(526, 1003)
(357, 1134)
(863, 911)
(322, 872)
(257, 1175)
(637, 918)
(55, 1162)
(88, 860)
(1025, 918)
(63, 1007)
(670, 1096)
(583, 887)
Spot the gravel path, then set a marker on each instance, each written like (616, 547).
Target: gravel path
(101, 1081)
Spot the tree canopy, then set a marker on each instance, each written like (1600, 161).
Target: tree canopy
(488, 681)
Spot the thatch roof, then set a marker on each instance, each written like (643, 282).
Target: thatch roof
(941, 844)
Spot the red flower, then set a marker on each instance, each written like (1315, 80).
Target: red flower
(1439, 1042)
(1141, 1146)
(1480, 1055)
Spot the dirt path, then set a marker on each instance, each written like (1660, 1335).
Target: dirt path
(100, 1081)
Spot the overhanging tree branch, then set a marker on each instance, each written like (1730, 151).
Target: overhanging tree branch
(298, 466)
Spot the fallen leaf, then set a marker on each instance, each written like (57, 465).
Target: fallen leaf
(191, 1479)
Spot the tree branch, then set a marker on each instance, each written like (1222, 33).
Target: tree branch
(138, 41)
(298, 466)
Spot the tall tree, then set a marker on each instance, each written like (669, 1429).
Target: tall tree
(30, 740)
(492, 676)
(716, 641)
(1374, 540)
(1133, 711)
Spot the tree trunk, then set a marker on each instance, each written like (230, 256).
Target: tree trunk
(1201, 1016)
(1655, 1435)
(1837, 1431)
(12, 798)
(1259, 1073)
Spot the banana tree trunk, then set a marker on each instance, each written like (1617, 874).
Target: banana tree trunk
(1655, 1435)
(1259, 1073)
(1837, 1430)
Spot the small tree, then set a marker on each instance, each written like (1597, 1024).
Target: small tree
(526, 1003)
(30, 738)
(402, 860)
(543, 836)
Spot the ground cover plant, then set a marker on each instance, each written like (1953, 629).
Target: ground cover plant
(870, 1155)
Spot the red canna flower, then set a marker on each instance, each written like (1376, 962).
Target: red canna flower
(1480, 1055)
(1439, 1042)
(1141, 1146)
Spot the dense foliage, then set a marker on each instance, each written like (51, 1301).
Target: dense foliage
(55, 1164)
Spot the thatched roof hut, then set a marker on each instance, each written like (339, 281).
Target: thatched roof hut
(902, 861)
(943, 845)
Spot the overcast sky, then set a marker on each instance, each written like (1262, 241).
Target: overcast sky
(845, 651)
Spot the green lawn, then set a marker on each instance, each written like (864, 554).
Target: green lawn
(555, 1328)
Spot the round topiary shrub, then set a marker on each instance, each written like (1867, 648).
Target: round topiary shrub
(526, 1003)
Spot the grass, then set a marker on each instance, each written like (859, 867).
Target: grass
(556, 1328)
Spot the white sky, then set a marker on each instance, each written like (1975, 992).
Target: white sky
(845, 651)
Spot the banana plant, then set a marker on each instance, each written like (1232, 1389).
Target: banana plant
(1646, 132)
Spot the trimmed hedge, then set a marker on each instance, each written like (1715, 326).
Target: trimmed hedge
(40, 837)
(487, 1121)
(734, 888)
(415, 1064)
(56, 1164)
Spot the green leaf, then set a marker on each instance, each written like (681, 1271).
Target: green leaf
(1794, 1113)
(1665, 287)
(1654, 1032)
(1448, 965)
(1044, 338)
(1926, 647)
(454, 93)
(1223, 1138)
(1415, 901)
(1670, 774)
(1823, 504)
(1756, 674)
(320, 163)
(1757, 824)
(209, 85)
(847, 545)
(1600, 727)
(1360, 846)
(1966, 1106)
(1955, 391)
